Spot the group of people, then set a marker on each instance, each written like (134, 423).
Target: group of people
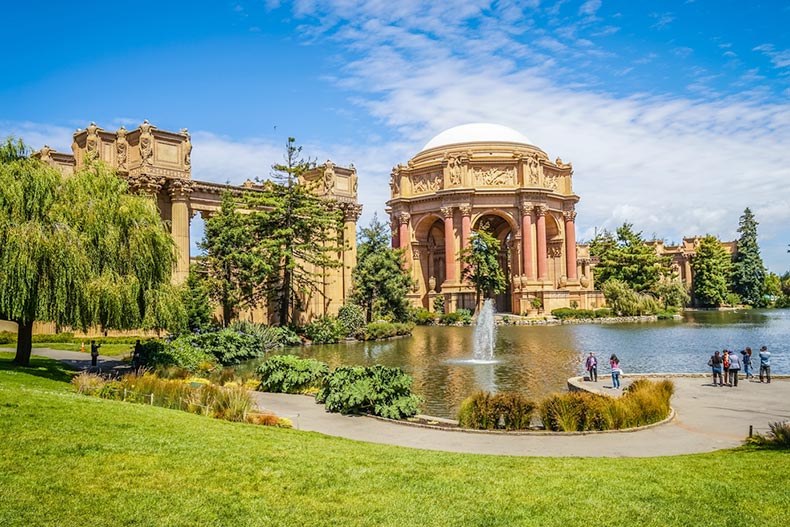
(727, 365)
(614, 364)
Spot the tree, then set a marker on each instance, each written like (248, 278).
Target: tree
(748, 271)
(481, 265)
(197, 300)
(711, 266)
(672, 292)
(80, 251)
(381, 281)
(628, 258)
(233, 268)
(625, 301)
(298, 234)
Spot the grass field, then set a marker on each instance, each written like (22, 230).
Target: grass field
(71, 460)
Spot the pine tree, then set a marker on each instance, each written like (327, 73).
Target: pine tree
(712, 267)
(381, 281)
(748, 271)
(481, 265)
(80, 251)
(627, 258)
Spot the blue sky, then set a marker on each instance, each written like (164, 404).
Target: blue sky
(676, 114)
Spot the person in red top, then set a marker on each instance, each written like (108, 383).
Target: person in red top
(725, 355)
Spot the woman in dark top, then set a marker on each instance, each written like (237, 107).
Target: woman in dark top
(716, 362)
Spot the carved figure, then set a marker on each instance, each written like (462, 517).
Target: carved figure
(187, 147)
(427, 182)
(534, 170)
(121, 149)
(92, 142)
(454, 169)
(146, 143)
(45, 154)
(394, 187)
(495, 176)
(329, 176)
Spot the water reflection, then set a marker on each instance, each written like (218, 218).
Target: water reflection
(538, 360)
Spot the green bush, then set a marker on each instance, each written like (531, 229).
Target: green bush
(486, 411)
(383, 330)
(180, 352)
(449, 319)
(290, 374)
(325, 330)
(466, 316)
(777, 437)
(7, 337)
(423, 317)
(376, 390)
(228, 346)
(603, 312)
(270, 337)
(643, 402)
(438, 304)
(564, 313)
(666, 314)
(352, 318)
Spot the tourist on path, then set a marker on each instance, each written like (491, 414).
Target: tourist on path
(735, 367)
(747, 363)
(717, 364)
(592, 367)
(94, 353)
(614, 363)
(725, 355)
(765, 363)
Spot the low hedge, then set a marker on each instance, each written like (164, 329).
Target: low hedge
(383, 330)
(564, 313)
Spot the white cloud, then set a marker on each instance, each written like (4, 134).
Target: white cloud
(590, 7)
(779, 58)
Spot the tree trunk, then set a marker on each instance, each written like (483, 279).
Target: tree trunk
(285, 297)
(24, 343)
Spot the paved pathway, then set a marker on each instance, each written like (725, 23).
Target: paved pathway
(81, 361)
(707, 418)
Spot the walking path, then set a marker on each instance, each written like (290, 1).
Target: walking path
(707, 418)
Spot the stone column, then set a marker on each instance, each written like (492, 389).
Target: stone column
(394, 223)
(351, 214)
(466, 224)
(403, 236)
(179, 190)
(570, 244)
(449, 245)
(540, 213)
(526, 240)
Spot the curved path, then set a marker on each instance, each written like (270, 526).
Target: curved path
(707, 418)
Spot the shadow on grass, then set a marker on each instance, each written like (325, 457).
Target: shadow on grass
(39, 367)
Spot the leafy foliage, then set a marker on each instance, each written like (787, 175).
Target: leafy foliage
(377, 390)
(626, 257)
(486, 411)
(777, 437)
(671, 292)
(290, 374)
(712, 267)
(748, 271)
(325, 330)
(381, 281)
(423, 317)
(197, 301)
(352, 318)
(626, 302)
(80, 251)
(569, 313)
(383, 330)
(481, 264)
(270, 337)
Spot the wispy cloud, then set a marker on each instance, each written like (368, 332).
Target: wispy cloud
(779, 58)
(662, 20)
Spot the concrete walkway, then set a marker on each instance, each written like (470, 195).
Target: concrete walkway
(707, 418)
(82, 361)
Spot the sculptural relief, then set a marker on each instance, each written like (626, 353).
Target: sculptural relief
(533, 170)
(495, 176)
(551, 181)
(187, 147)
(394, 183)
(92, 141)
(454, 169)
(146, 143)
(427, 182)
(121, 149)
(329, 176)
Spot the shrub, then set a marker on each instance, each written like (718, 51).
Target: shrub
(179, 352)
(465, 316)
(383, 330)
(352, 318)
(324, 330)
(423, 317)
(269, 337)
(229, 346)
(603, 312)
(377, 390)
(778, 436)
(449, 319)
(268, 419)
(507, 411)
(438, 304)
(564, 313)
(290, 374)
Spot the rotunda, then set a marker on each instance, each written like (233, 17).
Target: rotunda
(487, 175)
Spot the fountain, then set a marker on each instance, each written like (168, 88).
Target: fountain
(485, 334)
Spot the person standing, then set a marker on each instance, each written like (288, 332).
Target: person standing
(716, 363)
(94, 353)
(592, 367)
(735, 367)
(765, 363)
(746, 362)
(725, 356)
(614, 363)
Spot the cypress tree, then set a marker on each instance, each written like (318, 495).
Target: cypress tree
(748, 271)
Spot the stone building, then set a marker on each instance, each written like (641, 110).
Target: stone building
(158, 162)
(683, 253)
(477, 175)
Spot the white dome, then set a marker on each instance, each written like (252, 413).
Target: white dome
(477, 133)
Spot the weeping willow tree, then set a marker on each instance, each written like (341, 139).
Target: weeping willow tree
(80, 251)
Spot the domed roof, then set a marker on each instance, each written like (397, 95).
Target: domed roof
(477, 133)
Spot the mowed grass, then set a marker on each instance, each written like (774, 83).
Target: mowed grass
(71, 460)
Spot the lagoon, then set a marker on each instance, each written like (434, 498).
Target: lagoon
(537, 360)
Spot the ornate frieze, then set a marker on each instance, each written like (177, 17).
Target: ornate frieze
(495, 176)
(533, 171)
(428, 182)
(551, 181)
(454, 169)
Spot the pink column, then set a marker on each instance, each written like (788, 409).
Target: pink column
(449, 244)
(466, 225)
(540, 212)
(526, 240)
(395, 232)
(570, 244)
(403, 237)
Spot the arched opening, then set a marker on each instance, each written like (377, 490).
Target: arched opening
(555, 247)
(502, 229)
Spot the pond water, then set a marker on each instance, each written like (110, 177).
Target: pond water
(537, 360)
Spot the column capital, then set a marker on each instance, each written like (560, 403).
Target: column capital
(447, 212)
(179, 189)
(351, 211)
(466, 210)
(526, 207)
(570, 215)
(540, 210)
(147, 183)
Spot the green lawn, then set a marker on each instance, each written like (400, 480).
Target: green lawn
(69, 460)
